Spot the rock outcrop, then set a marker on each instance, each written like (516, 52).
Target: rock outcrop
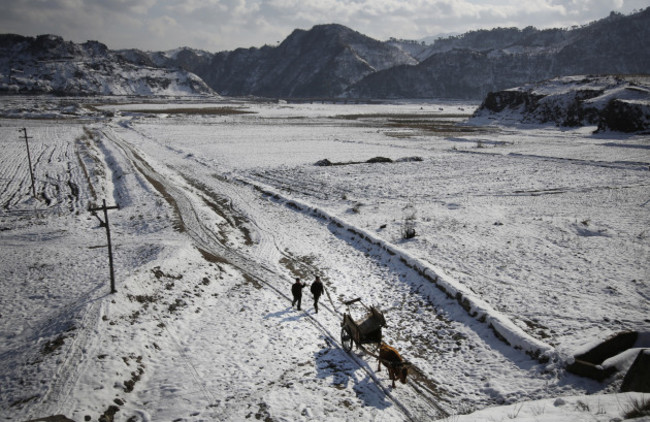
(618, 103)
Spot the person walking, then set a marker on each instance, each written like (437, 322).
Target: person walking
(316, 290)
(296, 291)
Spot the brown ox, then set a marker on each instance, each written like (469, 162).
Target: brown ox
(397, 367)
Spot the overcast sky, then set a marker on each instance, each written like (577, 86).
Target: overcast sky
(217, 25)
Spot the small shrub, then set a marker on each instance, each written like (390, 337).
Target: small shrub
(601, 409)
(582, 406)
(408, 229)
(638, 408)
(538, 410)
(514, 413)
(408, 232)
(143, 299)
(52, 346)
(176, 305)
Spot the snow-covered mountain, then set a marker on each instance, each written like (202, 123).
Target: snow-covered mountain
(335, 61)
(186, 58)
(48, 64)
(320, 62)
(476, 63)
(419, 50)
(620, 103)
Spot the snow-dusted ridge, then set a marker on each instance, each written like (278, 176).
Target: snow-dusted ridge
(476, 307)
(619, 103)
(49, 65)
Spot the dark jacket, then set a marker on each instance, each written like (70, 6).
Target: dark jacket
(317, 288)
(296, 288)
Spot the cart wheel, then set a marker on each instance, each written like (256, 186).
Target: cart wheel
(346, 339)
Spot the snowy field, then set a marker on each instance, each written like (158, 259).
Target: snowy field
(543, 233)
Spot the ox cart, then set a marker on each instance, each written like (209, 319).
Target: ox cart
(364, 332)
(368, 331)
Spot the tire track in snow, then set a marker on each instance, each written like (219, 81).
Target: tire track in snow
(475, 307)
(392, 257)
(423, 386)
(212, 247)
(77, 356)
(418, 380)
(57, 177)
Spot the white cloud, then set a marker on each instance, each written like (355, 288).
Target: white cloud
(138, 7)
(163, 26)
(217, 25)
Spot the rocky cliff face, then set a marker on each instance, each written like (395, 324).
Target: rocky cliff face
(472, 65)
(321, 62)
(619, 103)
(48, 64)
(460, 74)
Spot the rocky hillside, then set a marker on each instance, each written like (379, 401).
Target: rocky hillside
(48, 64)
(334, 61)
(472, 65)
(321, 62)
(620, 103)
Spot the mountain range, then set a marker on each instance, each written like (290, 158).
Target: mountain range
(476, 63)
(333, 61)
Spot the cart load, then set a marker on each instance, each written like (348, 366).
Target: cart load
(367, 331)
(363, 332)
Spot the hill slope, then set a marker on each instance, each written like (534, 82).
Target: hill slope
(472, 65)
(48, 64)
(320, 62)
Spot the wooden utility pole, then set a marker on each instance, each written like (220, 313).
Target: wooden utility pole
(104, 223)
(29, 158)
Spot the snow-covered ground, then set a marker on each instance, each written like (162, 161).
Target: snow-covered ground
(542, 232)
